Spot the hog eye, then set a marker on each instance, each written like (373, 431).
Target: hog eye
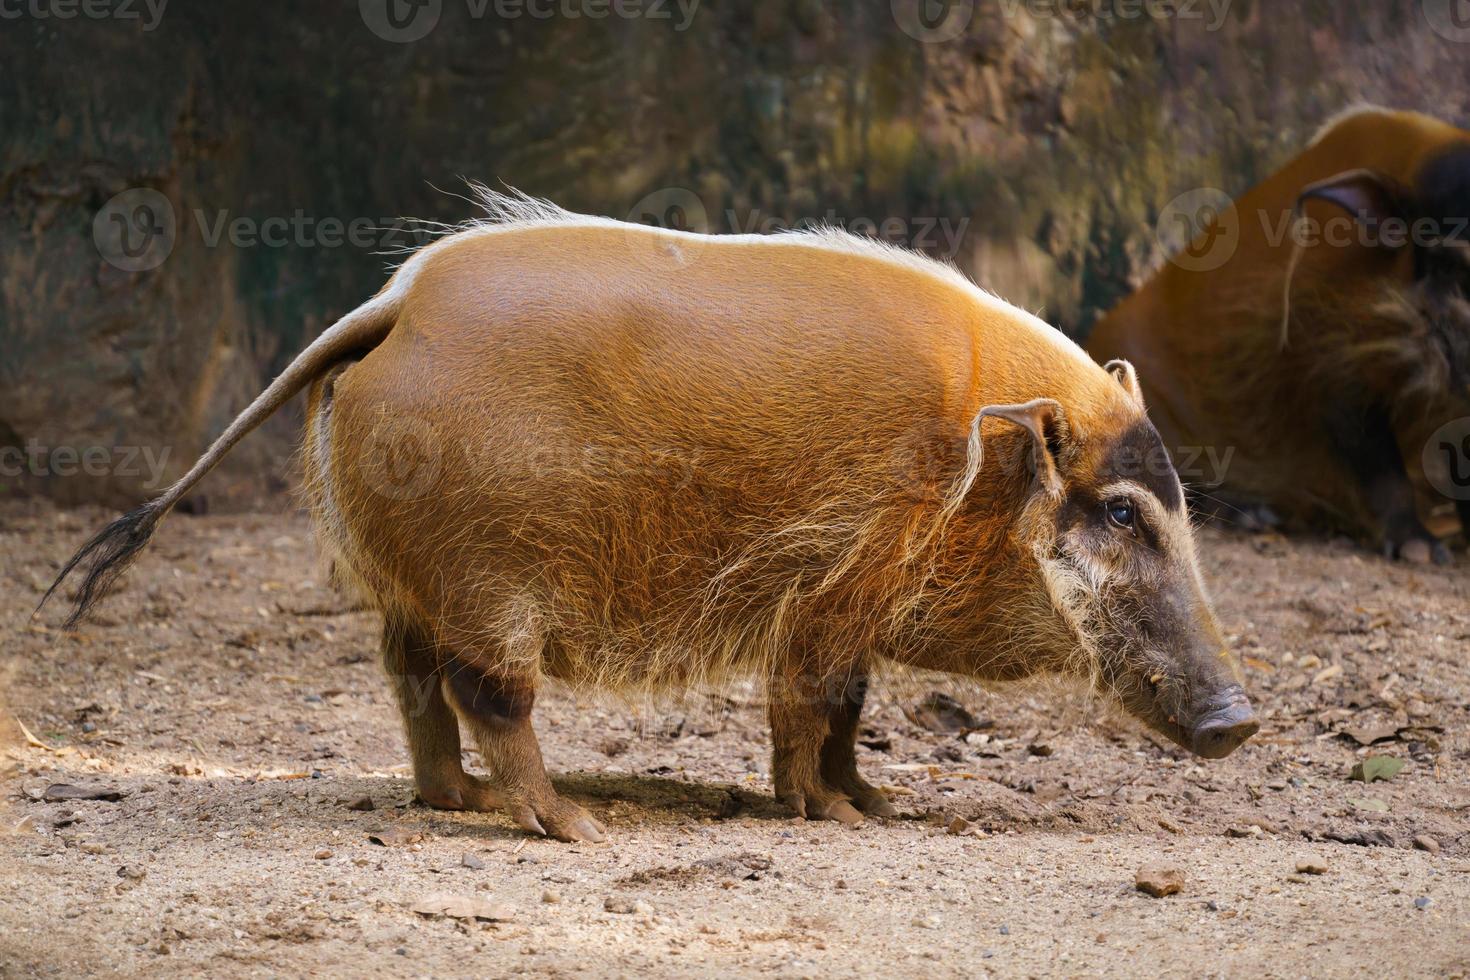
(1122, 514)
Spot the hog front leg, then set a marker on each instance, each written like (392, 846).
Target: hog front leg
(429, 723)
(839, 750)
(810, 722)
(1366, 442)
(497, 708)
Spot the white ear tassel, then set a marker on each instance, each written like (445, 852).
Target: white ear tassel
(1296, 254)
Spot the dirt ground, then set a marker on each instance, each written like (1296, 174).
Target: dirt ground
(235, 703)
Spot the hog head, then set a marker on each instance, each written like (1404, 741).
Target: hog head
(1422, 227)
(1106, 527)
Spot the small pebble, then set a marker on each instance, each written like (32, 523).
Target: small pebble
(1311, 865)
(468, 860)
(1423, 902)
(322, 854)
(363, 804)
(1158, 882)
(1426, 843)
(550, 897)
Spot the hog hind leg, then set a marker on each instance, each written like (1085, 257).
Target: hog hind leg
(496, 702)
(412, 664)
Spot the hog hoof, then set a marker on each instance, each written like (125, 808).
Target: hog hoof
(1420, 551)
(813, 809)
(471, 795)
(876, 805)
(565, 821)
(866, 797)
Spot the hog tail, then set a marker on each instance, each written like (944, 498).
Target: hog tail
(106, 557)
(110, 553)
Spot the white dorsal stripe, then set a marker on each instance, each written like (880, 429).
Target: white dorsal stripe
(513, 210)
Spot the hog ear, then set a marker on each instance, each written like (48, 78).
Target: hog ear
(1044, 420)
(1126, 376)
(1370, 197)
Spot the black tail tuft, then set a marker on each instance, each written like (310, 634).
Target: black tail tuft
(107, 556)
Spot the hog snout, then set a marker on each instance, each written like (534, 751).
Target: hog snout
(1226, 722)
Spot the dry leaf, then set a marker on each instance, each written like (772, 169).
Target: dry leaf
(1367, 735)
(1376, 767)
(1327, 673)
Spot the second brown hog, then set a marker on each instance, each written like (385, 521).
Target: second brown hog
(640, 460)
